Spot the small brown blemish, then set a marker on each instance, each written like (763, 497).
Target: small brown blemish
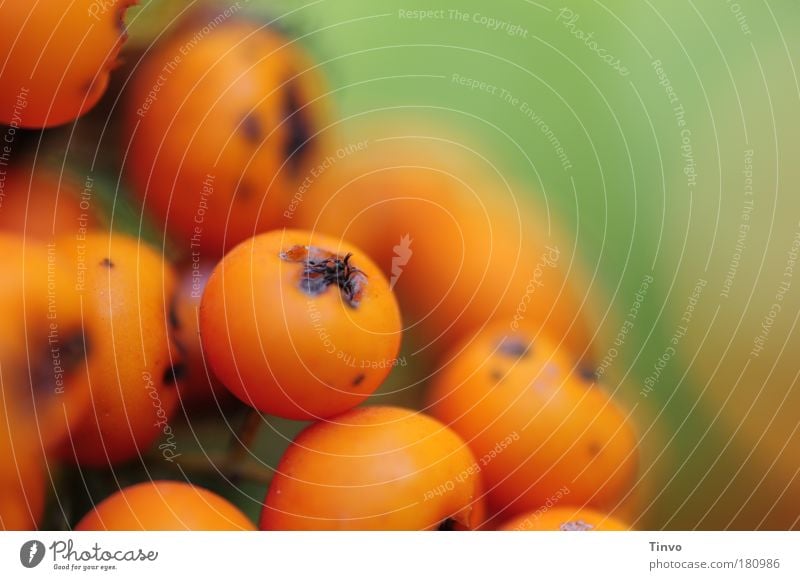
(74, 350)
(174, 321)
(587, 374)
(576, 526)
(594, 449)
(298, 128)
(107, 263)
(496, 375)
(322, 269)
(252, 130)
(173, 374)
(514, 347)
(359, 379)
(245, 191)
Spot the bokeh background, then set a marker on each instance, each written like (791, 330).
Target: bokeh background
(662, 135)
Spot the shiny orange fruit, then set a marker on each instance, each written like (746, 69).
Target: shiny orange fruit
(220, 134)
(299, 325)
(57, 58)
(374, 468)
(565, 519)
(164, 506)
(132, 362)
(458, 245)
(538, 425)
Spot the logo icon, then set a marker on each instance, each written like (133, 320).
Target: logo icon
(31, 553)
(402, 254)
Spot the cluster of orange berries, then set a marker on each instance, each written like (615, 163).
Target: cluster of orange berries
(292, 266)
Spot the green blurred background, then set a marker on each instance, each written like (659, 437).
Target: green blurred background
(678, 164)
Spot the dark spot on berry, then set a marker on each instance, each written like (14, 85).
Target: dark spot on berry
(74, 350)
(587, 374)
(359, 379)
(299, 130)
(181, 348)
(245, 191)
(251, 129)
(594, 449)
(174, 374)
(496, 375)
(448, 525)
(323, 269)
(172, 314)
(514, 347)
(107, 263)
(576, 526)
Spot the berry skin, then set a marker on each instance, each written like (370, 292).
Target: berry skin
(41, 203)
(132, 362)
(165, 506)
(299, 325)
(41, 341)
(459, 247)
(374, 468)
(219, 140)
(22, 478)
(200, 388)
(57, 58)
(538, 424)
(565, 519)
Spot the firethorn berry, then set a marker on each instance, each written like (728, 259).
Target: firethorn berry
(41, 340)
(164, 506)
(200, 387)
(132, 362)
(220, 137)
(22, 483)
(459, 248)
(538, 426)
(299, 325)
(565, 519)
(57, 57)
(40, 202)
(373, 468)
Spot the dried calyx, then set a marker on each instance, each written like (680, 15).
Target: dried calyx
(322, 269)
